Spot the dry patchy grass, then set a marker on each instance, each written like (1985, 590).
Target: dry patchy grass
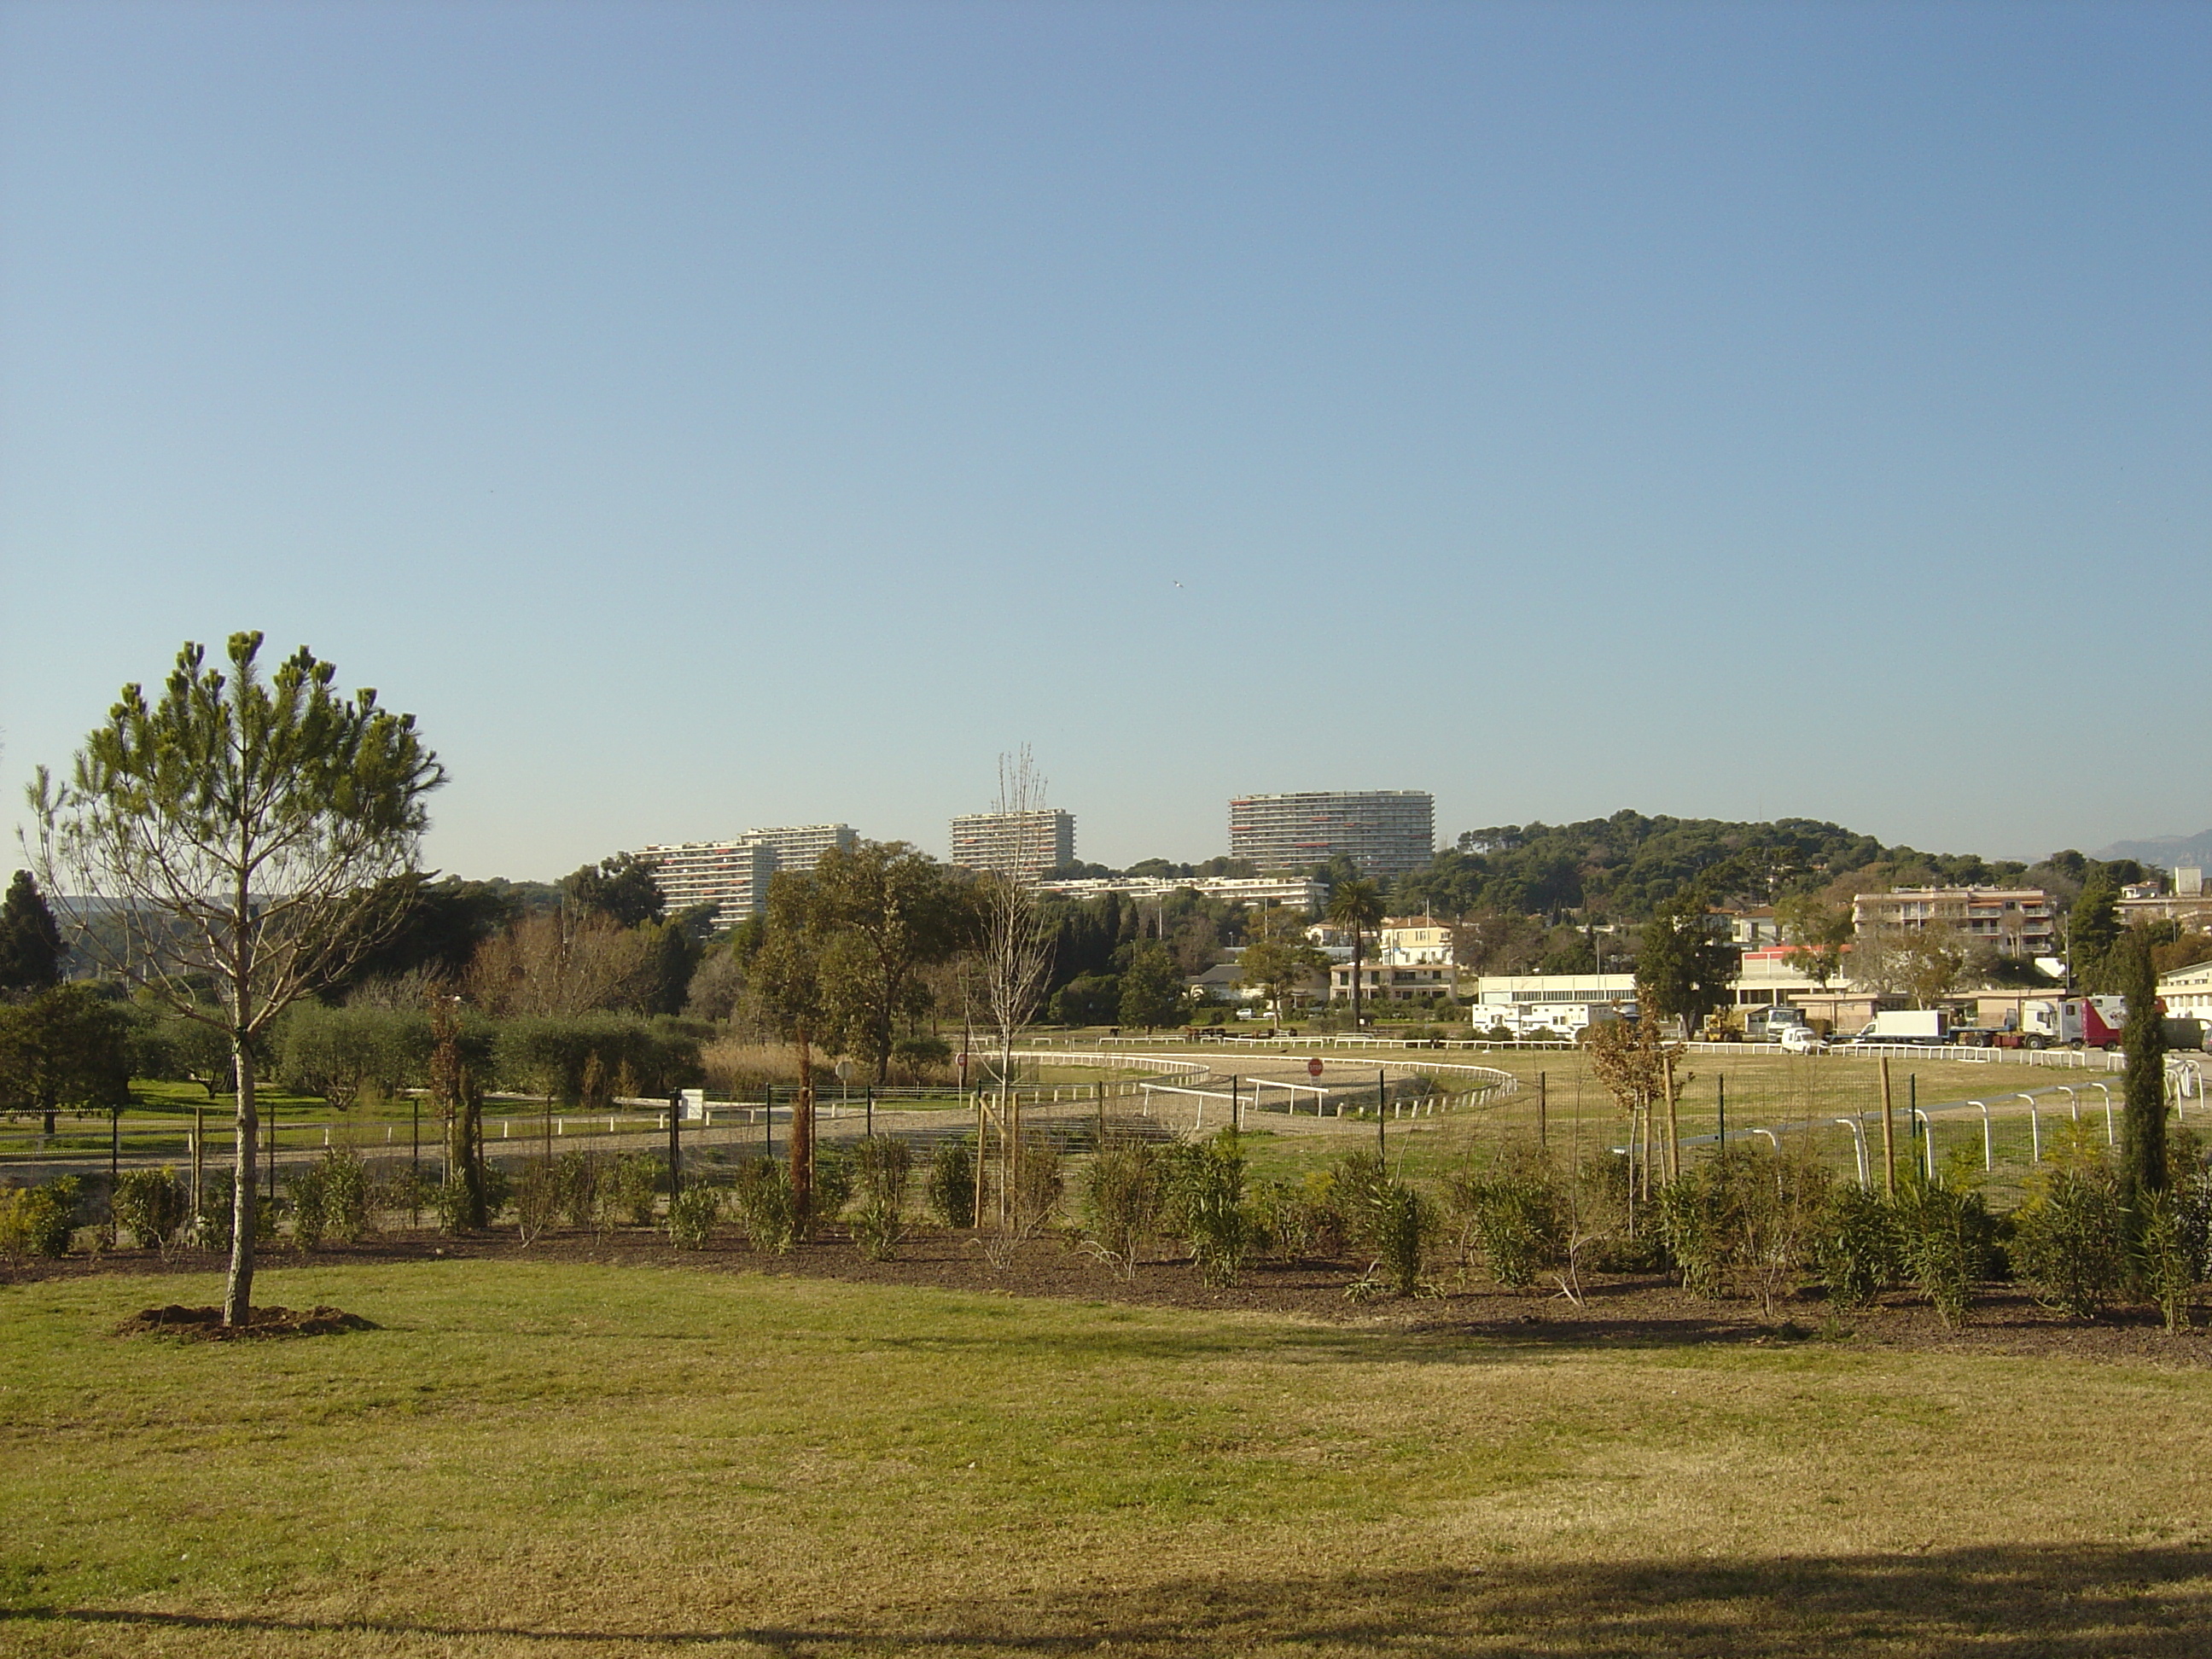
(575, 1460)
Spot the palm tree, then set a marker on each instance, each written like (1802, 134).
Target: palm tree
(1357, 905)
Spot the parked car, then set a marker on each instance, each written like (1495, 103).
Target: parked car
(1801, 1040)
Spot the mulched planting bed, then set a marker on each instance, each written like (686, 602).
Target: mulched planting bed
(1624, 1310)
(205, 1324)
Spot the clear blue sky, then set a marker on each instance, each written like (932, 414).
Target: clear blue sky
(707, 416)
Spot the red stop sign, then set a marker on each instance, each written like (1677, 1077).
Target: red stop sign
(1313, 1068)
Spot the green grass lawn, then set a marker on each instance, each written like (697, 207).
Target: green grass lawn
(571, 1460)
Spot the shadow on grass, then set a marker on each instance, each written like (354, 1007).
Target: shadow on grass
(1445, 1341)
(2044, 1599)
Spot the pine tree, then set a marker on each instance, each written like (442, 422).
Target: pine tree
(30, 942)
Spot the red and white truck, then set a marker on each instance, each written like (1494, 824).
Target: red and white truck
(2072, 1023)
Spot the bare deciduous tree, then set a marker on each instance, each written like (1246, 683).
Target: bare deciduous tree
(1017, 950)
(560, 965)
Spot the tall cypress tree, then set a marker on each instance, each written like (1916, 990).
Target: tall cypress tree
(30, 942)
(2143, 1151)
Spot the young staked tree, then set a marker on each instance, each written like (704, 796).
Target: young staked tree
(1016, 954)
(788, 993)
(30, 938)
(2142, 1148)
(1635, 1066)
(1356, 904)
(236, 829)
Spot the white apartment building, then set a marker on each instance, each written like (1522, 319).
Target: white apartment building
(1021, 843)
(1385, 832)
(1292, 892)
(732, 876)
(2017, 921)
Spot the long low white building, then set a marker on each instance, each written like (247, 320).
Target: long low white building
(2187, 992)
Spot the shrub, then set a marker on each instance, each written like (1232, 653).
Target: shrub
(452, 1202)
(1403, 1227)
(211, 1227)
(537, 1196)
(1700, 1222)
(1857, 1250)
(329, 1201)
(1944, 1233)
(1122, 1203)
(1356, 1180)
(883, 1168)
(627, 1193)
(760, 1197)
(921, 1054)
(1397, 1225)
(411, 1190)
(39, 1220)
(2163, 1266)
(2070, 1238)
(576, 1180)
(1207, 1199)
(832, 1189)
(2193, 1220)
(1300, 1220)
(1513, 1214)
(150, 1205)
(949, 1191)
(692, 1214)
(1037, 1185)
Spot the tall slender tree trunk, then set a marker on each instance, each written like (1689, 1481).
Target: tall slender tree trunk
(1356, 942)
(1010, 1138)
(238, 1290)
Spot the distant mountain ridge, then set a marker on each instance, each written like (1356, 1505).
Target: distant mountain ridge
(2167, 850)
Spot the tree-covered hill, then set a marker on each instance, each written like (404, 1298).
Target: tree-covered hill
(1623, 867)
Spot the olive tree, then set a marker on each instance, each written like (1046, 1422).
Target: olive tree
(233, 831)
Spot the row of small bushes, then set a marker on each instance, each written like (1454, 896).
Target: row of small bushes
(1752, 1222)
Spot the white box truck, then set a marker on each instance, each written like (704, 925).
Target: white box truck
(1915, 1025)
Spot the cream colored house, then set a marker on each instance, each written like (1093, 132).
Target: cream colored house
(2188, 991)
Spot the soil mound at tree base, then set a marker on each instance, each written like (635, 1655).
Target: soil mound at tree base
(205, 1324)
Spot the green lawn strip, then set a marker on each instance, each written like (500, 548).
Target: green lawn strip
(526, 1446)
